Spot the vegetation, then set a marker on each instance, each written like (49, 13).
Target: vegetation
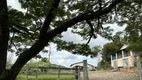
(135, 43)
(27, 33)
(42, 62)
(110, 49)
(45, 77)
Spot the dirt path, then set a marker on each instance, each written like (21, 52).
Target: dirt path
(106, 75)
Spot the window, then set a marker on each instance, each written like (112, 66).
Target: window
(126, 53)
(119, 54)
(113, 57)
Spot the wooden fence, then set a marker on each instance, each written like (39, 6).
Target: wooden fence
(76, 71)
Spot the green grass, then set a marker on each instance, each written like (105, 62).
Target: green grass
(46, 77)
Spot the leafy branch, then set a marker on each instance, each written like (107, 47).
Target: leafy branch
(45, 36)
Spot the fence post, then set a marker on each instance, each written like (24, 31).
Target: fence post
(27, 73)
(139, 67)
(76, 73)
(85, 71)
(37, 73)
(59, 73)
(79, 74)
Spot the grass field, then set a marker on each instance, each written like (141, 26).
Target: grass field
(46, 77)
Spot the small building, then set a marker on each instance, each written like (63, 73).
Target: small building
(80, 65)
(123, 59)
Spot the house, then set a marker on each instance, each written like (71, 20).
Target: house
(123, 59)
(80, 65)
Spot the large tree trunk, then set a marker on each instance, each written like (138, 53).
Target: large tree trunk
(4, 35)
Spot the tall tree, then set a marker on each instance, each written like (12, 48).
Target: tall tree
(133, 31)
(44, 22)
(112, 47)
(4, 34)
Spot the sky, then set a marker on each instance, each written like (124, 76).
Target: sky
(66, 58)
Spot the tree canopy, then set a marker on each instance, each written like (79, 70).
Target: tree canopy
(25, 27)
(44, 21)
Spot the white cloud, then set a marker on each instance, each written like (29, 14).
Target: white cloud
(69, 36)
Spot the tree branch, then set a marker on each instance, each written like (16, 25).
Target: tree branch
(11, 41)
(99, 25)
(92, 33)
(14, 29)
(88, 41)
(49, 17)
(100, 4)
(92, 29)
(19, 27)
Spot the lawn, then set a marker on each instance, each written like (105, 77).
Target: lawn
(46, 77)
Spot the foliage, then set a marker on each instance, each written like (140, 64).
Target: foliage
(136, 47)
(109, 49)
(133, 30)
(42, 62)
(82, 49)
(135, 42)
(104, 65)
(25, 27)
(112, 47)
